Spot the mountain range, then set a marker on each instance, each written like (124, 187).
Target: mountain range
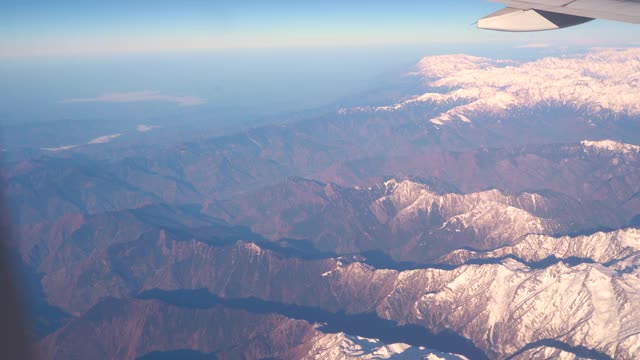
(490, 213)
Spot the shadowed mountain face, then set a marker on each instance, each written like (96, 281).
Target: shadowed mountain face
(151, 328)
(470, 217)
(75, 237)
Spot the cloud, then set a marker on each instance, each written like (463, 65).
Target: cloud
(60, 148)
(139, 96)
(99, 140)
(534, 46)
(103, 139)
(146, 128)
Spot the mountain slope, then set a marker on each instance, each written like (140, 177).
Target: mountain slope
(407, 219)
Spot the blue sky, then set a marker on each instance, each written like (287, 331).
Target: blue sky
(84, 27)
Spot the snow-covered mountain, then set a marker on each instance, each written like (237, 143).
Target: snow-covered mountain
(436, 67)
(601, 247)
(508, 306)
(345, 347)
(602, 81)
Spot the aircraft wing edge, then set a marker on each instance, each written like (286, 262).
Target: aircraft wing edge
(624, 11)
(526, 20)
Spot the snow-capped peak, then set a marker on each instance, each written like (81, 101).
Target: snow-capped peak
(611, 146)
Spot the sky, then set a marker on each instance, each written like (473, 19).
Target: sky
(84, 59)
(73, 27)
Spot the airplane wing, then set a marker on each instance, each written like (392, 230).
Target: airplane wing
(539, 15)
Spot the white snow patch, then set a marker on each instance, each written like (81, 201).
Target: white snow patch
(326, 273)
(253, 248)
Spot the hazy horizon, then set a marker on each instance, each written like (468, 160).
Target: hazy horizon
(120, 60)
(241, 85)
